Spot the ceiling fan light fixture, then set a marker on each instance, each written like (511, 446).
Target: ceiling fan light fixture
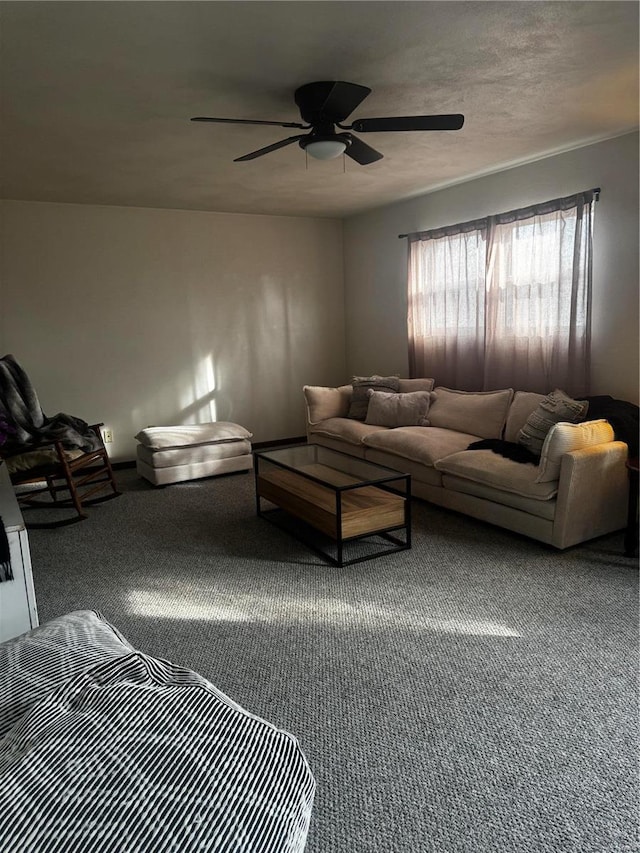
(325, 149)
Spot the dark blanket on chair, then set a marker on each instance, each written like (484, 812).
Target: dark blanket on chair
(5, 555)
(20, 406)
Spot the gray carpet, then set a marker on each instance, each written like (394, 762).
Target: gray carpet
(477, 693)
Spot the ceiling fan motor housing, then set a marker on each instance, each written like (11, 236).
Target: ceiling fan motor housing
(325, 103)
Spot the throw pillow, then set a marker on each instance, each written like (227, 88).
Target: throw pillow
(37, 458)
(556, 407)
(524, 402)
(362, 384)
(398, 410)
(563, 438)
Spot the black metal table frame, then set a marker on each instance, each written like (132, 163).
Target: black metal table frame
(340, 541)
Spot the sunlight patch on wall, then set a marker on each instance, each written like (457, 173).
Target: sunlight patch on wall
(188, 399)
(189, 605)
(197, 397)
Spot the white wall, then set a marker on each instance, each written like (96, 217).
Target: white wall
(375, 259)
(134, 316)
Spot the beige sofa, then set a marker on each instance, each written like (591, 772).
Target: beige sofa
(578, 490)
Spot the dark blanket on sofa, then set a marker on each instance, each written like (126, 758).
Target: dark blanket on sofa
(509, 449)
(622, 415)
(30, 426)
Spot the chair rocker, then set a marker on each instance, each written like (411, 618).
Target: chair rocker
(81, 476)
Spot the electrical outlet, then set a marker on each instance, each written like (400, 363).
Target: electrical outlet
(107, 436)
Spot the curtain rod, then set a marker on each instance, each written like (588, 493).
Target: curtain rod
(595, 190)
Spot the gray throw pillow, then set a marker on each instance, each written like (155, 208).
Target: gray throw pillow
(557, 407)
(361, 385)
(398, 410)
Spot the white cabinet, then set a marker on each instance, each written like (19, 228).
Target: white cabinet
(17, 597)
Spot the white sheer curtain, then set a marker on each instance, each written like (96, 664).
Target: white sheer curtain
(446, 317)
(505, 301)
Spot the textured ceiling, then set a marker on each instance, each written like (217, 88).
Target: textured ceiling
(96, 96)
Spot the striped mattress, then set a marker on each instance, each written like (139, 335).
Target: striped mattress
(104, 748)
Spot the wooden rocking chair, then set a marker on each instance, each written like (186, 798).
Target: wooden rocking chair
(50, 455)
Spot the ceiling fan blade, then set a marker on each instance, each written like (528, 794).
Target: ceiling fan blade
(250, 121)
(342, 100)
(443, 122)
(269, 148)
(360, 151)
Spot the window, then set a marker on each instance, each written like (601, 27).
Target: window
(504, 301)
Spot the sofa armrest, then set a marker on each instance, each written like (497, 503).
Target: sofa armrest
(593, 491)
(323, 402)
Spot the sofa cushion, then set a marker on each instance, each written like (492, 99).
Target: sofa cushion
(35, 663)
(323, 403)
(420, 444)
(407, 385)
(563, 438)
(522, 405)
(532, 506)
(345, 429)
(337, 444)
(361, 385)
(554, 408)
(397, 410)
(482, 413)
(420, 473)
(485, 466)
(165, 437)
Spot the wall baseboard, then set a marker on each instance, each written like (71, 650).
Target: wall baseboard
(262, 445)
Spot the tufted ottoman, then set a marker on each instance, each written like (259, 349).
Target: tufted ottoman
(172, 454)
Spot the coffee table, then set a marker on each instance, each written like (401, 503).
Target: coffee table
(330, 500)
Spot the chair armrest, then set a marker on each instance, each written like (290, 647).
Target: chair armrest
(593, 491)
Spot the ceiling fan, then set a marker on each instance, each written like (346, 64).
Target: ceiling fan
(324, 106)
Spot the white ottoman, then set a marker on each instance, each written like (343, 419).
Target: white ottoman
(173, 454)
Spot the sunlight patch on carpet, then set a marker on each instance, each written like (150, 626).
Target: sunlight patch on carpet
(166, 604)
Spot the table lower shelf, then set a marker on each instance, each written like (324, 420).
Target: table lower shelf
(368, 509)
